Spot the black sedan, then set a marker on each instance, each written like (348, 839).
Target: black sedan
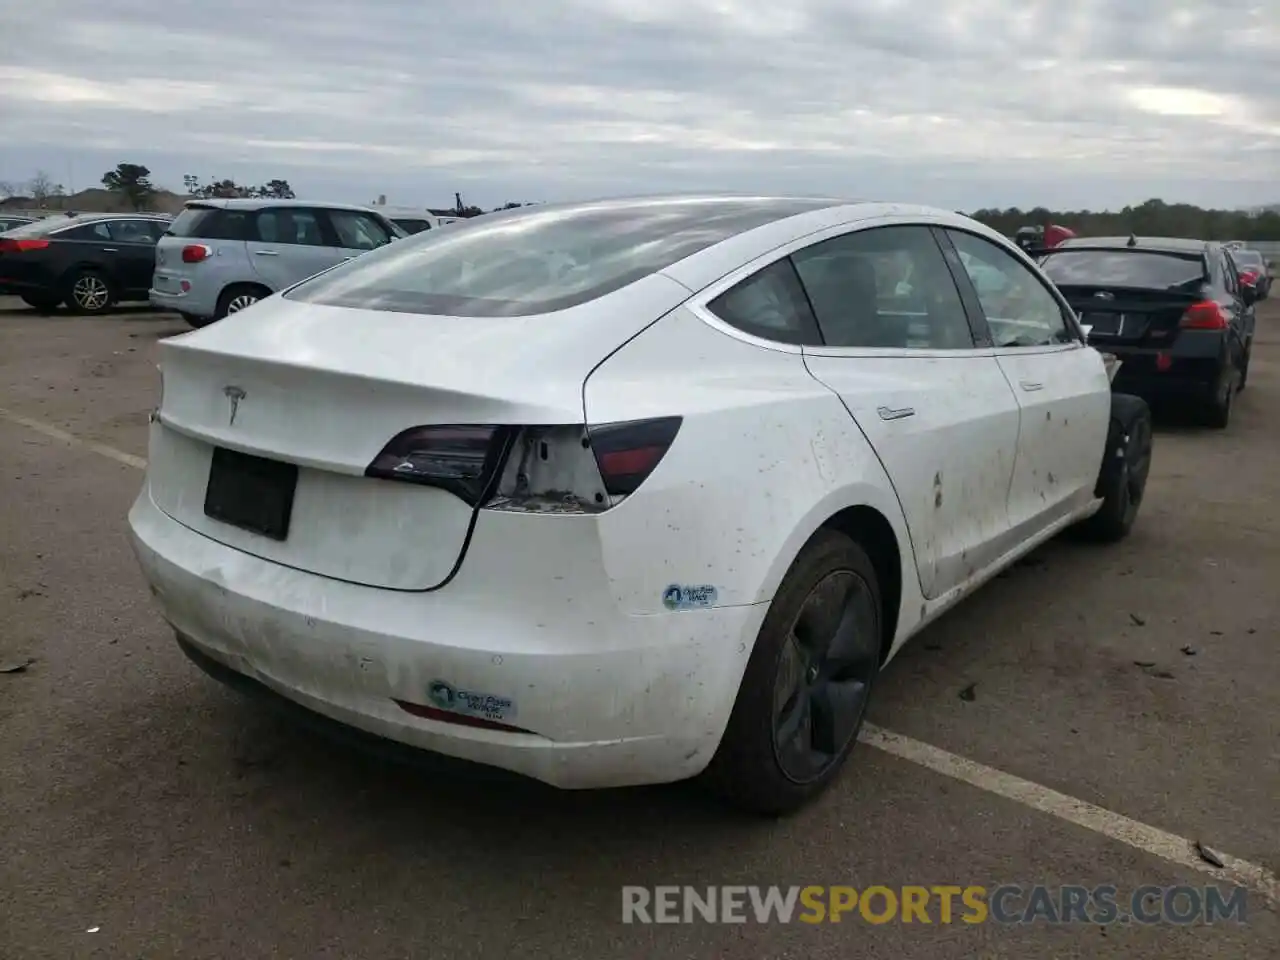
(1172, 311)
(88, 262)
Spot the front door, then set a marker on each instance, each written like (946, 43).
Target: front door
(1063, 392)
(900, 352)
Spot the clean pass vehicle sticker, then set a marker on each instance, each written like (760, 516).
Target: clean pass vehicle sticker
(487, 705)
(677, 597)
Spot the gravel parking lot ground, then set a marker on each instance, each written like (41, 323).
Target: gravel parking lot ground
(147, 812)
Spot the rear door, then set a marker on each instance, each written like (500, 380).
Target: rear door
(135, 251)
(901, 353)
(289, 244)
(1061, 385)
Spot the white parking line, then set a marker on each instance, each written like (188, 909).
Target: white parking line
(1159, 843)
(49, 430)
(1149, 839)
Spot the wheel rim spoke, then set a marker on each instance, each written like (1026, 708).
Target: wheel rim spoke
(836, 708)
(824, 675)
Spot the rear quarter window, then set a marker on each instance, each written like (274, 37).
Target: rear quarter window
(210, 223)
(1124, 268)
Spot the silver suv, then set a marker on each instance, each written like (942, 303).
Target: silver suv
(220, 256)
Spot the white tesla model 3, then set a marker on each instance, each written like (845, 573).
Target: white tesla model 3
(628, 491)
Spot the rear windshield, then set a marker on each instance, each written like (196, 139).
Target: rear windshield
(210, 223)
(38, 228)
(1124, 268)
(1247, 258)
(538, 260)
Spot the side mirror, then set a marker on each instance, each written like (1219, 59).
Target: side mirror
(1086, 329)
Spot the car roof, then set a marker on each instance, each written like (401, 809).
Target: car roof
(256, 203)
(1154, 244)
(794, 217)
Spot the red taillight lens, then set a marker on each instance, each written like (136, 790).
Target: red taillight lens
(11, 245)
(461, 458)
(627, 453)
(195, 252)
(1248, 277)
(1205, 315)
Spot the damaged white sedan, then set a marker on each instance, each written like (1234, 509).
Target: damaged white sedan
(625, 492)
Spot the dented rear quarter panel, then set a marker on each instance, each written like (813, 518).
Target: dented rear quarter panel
(766, 454)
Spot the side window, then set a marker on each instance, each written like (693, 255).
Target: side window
(358, 231)
(226, 225)
(888, 287)
(769, 304)
(130, 231)
(290, 225)
(1019, 308)
(93, 232)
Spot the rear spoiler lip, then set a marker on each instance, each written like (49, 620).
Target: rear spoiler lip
(1068, 289)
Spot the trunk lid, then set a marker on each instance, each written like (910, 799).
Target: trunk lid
(325, 388)
(1125, 316)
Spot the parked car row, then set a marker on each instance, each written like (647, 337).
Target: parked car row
(214, 258)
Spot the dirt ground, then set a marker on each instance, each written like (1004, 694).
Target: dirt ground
(147, 812)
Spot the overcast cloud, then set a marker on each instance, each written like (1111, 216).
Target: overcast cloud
(963, 103)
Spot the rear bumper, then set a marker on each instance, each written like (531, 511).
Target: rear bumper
(603, 700)
(1191, 369)
(194, 301)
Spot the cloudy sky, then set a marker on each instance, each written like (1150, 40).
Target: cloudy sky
(963, 103)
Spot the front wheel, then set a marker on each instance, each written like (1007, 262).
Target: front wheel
(1122, 481)
(807, 684)
(89, 292)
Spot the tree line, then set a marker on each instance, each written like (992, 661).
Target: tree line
(132, 183)
(1155, 218)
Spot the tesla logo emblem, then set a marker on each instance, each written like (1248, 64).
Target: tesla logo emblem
(235, 395)
(1104, 295)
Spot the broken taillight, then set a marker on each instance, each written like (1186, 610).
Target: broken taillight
(628, 452)
(460, 458)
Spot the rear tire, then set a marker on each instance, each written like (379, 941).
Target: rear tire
(194, 321)
(805, 690)
(1218, 416)
(237, 297)
(89, 292)
(1122, 480)
(45, 304)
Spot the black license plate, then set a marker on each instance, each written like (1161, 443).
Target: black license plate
(1108, 324)
(250, 492)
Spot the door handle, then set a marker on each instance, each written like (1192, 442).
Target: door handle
(267, 253)
(110, 249)
(889, 413)
(1030, 385)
